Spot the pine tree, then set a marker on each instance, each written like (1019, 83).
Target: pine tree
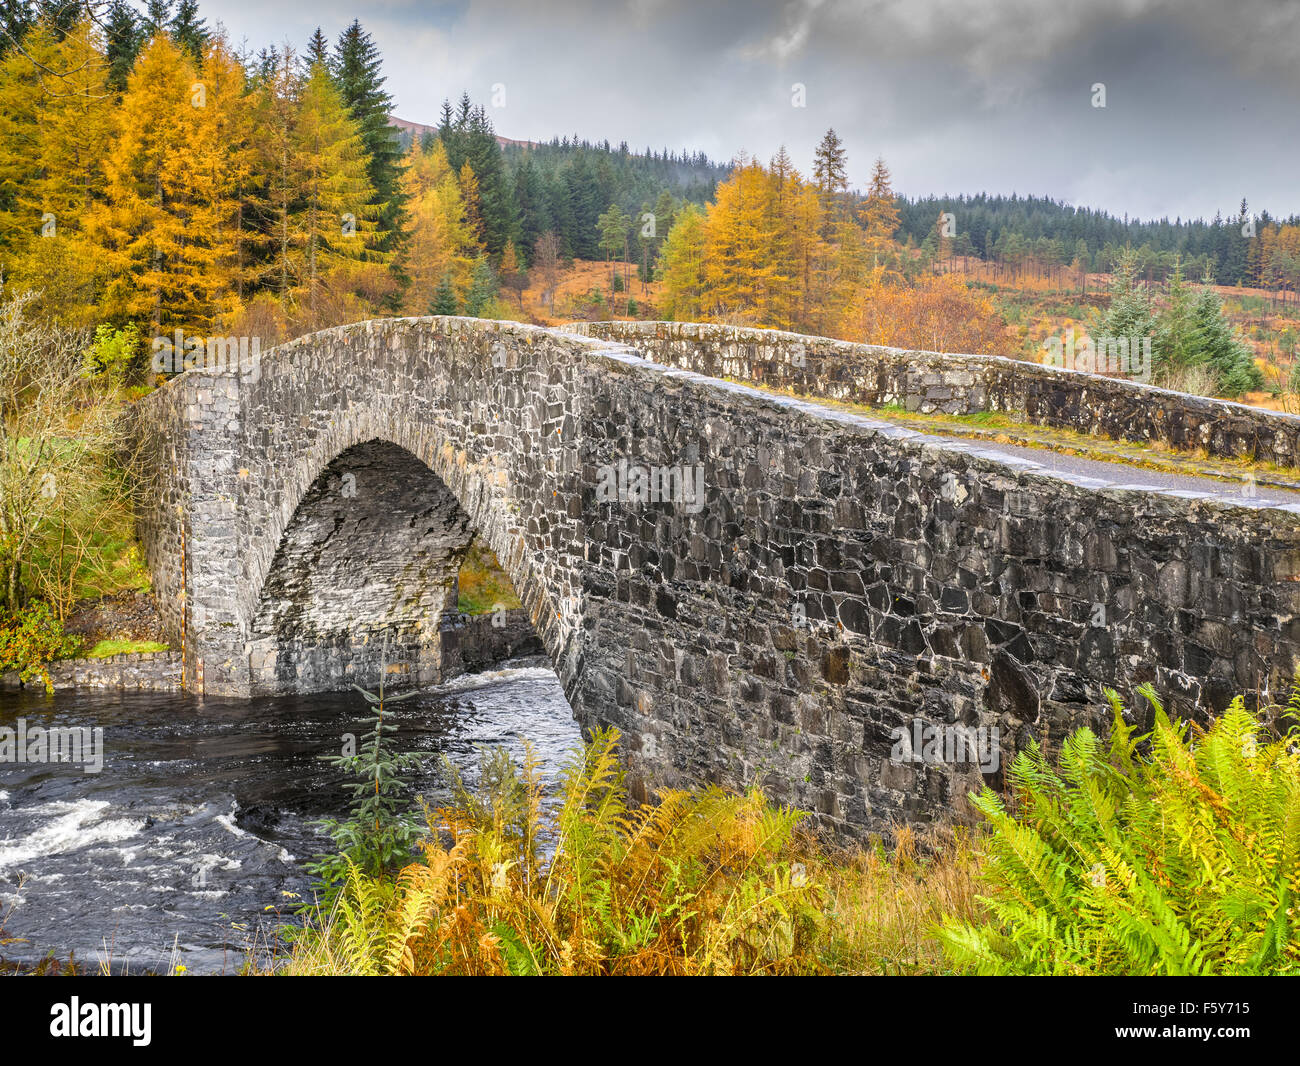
(1080, 262)
(809, 253)
(168, 229)
(16, 18)
(531, 203)
(785, 302)
(124, 35)
(444, 299)
(447, 133)
(830, 167)
(1217, 344)
(514, 275)
(880, 217)
(336, 221)
(482, 290)
(1129, 316)
(75, 120)
(54, 136)
(143, 228)
(357, 72)
(469, 192)
(739, 269)
(837, 273)
(681, 265)
(495, 197)
(189, 31)
(441, 244)
(157, 17)
(278, 85)
(230, 138)
(22, 98)
(318, 50)
(1174, 347)
(546, 265)
(613, 227)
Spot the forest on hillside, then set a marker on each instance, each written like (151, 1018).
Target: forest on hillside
(153, 178)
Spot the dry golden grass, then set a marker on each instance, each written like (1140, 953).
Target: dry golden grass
(886, 903)
(573, 288)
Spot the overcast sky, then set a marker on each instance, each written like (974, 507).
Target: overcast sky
(1202, 96)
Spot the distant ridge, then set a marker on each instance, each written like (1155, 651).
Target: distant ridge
(418, 129)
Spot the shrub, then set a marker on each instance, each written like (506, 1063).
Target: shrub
(1173, 853)
(30, 639)
(113, 352)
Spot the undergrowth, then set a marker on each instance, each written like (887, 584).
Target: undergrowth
(1174, 853)
(703, 882)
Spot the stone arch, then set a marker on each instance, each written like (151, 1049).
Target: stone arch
(674, 623)
(490, 411)
(402, 486)
(368, 559)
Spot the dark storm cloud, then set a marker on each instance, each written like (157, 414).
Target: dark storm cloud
(1202, 96)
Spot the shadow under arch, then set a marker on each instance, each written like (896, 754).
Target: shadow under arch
(373, 547)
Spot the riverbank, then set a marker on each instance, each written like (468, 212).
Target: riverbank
(1166, 854)
(470, 643)
(158, 671)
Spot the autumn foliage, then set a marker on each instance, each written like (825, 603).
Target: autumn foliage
(777, 250)
(212, 194)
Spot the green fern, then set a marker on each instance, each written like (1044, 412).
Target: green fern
(1173, 853)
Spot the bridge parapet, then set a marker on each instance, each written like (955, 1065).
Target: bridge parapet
(868, 374)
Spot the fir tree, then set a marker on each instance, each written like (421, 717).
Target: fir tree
(124, 38)
(1174, 346)
(496, 202)
(336, 216)
(1129, 316)
(482, 290)
(16, 18)
(880, 217)
(52, 152)
(380, 832)
(165, 230)
(357, 72)
(157, 17)
(441, 242)
(830, 166)
(1217, 344)
(681, 264)
(514, 274)
(444, 299)
(189, 31)
(318, 50)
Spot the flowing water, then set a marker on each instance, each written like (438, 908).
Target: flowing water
(198, 821)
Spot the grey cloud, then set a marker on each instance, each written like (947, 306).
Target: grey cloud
(958, 96)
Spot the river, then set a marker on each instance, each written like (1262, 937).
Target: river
(198, 820)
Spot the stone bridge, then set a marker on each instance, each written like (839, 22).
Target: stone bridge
(808, 584)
